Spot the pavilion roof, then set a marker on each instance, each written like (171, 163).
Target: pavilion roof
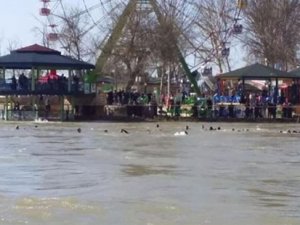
(37, 56)
(296, 72)
(256, 72)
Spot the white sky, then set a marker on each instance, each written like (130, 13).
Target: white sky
(18, 18)
(17, 21)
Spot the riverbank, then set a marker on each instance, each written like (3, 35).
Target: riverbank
(192, 119)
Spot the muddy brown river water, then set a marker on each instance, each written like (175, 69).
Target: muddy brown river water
(51, 174)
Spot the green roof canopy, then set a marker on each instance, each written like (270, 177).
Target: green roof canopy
(257, 72)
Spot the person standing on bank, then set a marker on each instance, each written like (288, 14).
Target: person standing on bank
(13, 83)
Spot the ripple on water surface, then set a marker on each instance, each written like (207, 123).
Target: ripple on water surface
(51, 174)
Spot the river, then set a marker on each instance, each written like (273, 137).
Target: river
(52, 174)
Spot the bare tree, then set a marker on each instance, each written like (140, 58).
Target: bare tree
(150, 38)
(173, 30)
(214, 31)
(132, 51)
(183, 28)
(274, 31)
(42, 33)
(73, 27)
(13, 45)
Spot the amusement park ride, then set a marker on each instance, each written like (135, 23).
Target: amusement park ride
(100, 10)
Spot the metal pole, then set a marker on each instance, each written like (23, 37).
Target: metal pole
(71, 111)
(69, 81)
(73, 107)
(62, 107)
(3, 73)
(5, 116)
(243, 85)
(6, 108)
(276, 92)
(169, 87)
(32, 79)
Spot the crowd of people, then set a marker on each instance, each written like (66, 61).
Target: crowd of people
(137, 103)
(44, 83)
(123, 97)
(256, 105)
(237, 104)
(19, 84)
(248, 105)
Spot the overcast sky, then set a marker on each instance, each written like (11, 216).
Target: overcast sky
(18, 18)
(17, 21)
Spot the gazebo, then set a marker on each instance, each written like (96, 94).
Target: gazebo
(37, 58)
(258, 72)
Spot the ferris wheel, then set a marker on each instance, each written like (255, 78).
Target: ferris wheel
(101, 16)
(96, 18)
(47, 9)
(231, 30)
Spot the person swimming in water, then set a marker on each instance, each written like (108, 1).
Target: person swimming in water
(124, 131)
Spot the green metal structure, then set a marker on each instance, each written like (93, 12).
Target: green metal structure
(118, 30)
(115, 36)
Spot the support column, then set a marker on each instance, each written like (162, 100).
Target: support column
(276, 92)
(243, 86)
(62, 111)
(4, 105)
(169, 86)
(37, 77)
(269, 87)
(69, 81)
(73, 108)
(32, 79)
(35, 106)
(3, 70)
(6, 108)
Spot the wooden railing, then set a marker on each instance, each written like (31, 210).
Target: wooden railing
(51, 88)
